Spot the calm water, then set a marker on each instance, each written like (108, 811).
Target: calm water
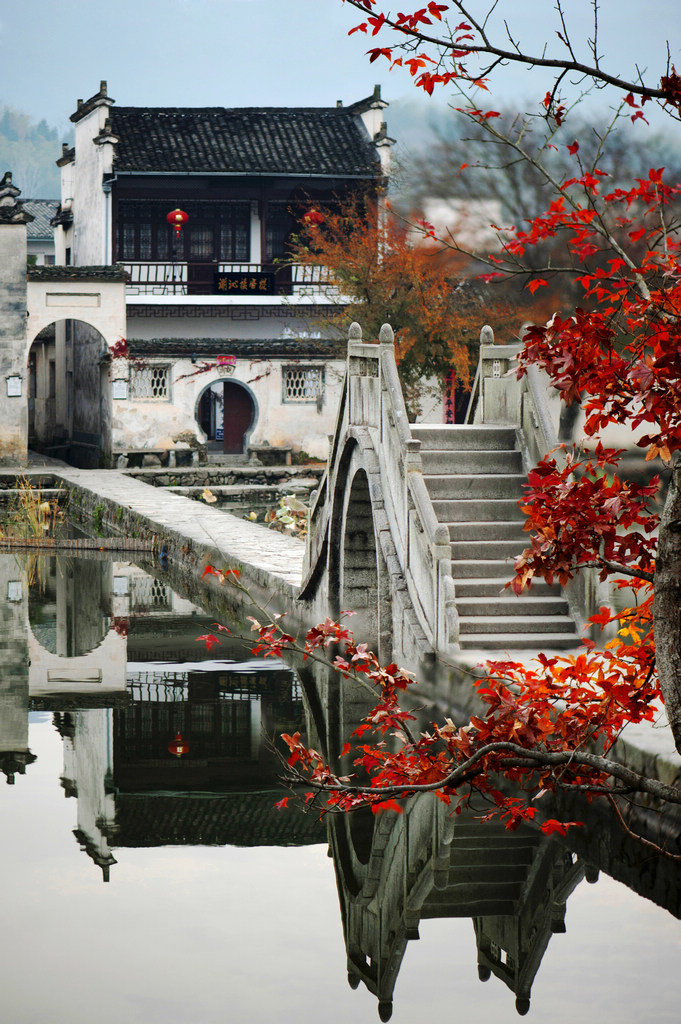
(219, 908)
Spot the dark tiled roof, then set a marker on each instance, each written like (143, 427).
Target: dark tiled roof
(234, 819)
(244, 347)
(42, 211)
(62, 216)
(248, 140)
(70, 273)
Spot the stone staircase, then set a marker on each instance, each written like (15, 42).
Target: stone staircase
(474, 476)
(485, 872)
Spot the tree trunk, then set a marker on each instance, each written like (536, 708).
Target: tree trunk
(667, 607)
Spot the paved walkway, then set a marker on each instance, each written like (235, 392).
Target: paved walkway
(236, 540)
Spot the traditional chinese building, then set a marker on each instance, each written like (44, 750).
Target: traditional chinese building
(198, 205)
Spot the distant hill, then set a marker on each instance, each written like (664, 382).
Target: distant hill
(29, 150)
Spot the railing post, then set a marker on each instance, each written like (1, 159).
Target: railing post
(353, 367)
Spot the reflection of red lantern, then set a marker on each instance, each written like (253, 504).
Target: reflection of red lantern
(178, 746)
(177, 219)
(312, 218)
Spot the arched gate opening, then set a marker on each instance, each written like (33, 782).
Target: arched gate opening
(226, 414)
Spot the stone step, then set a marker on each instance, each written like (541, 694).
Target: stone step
(476, 874)
(482, 568)
(519, 641)
(463, 892)
(468, 831)
(498, 550)
(473, 908)
(468, 510)
(494, 587)
(497, 530)
(539, 624)
(463, 438)
(491, 857)
(480, 485)
(513, 605)
(449, 461)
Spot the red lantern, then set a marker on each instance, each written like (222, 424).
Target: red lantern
(177, 219)
(178, 746)
(312, 218)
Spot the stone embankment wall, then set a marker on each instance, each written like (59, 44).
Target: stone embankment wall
(209, 476)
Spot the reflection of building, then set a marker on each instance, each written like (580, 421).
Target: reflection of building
(215, 292)
(395, 870)
(74, 647)
(185, 761)
(87, 776)
(223, 789)
(14, 752)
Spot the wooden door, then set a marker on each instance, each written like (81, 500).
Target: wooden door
(239, 411)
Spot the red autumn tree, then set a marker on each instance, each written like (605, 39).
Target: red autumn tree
(619, 352)
(551, 725)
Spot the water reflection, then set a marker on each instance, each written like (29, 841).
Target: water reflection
(426, 864)
(394, 871)
(163, 744)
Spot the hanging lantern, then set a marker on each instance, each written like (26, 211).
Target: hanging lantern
(313, 218)
(177, 219)
(178, 746)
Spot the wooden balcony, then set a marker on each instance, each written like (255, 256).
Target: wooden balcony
(168, 279)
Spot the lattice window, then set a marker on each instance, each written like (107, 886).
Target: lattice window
(148, 594)
(303, 383)
(150, 382)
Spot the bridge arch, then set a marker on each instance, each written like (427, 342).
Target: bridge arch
(358, 572)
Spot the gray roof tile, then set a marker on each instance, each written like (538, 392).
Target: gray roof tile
(42, 211)
(248, 140)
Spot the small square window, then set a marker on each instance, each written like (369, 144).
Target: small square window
(150, 382)
(302, 383)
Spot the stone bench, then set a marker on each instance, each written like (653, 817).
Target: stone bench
(258, 453)
(133, 458)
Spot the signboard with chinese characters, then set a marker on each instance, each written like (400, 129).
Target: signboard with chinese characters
(248, 283)
(13, 387)
(119, 388)
(226, 365)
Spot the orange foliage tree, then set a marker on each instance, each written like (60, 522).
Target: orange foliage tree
(422, 288)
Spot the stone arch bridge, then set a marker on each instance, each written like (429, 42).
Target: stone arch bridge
(415, 526)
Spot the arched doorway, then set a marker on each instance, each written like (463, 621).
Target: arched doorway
(226, 414)
(69, 404)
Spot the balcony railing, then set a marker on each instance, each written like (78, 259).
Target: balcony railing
(198, 278)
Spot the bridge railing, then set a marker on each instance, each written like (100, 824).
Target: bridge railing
(532, 406)
(372, 402)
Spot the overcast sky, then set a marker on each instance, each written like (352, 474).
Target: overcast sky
(260, 52)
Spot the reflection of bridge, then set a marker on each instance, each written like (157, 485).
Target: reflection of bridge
(416, 527)
(430, 863)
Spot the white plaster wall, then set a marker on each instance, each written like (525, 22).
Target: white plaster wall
(252, 322)
(89, 202)
(40, 248)
(13, 350)
(101, 304)
(154, 423)
(100, 670)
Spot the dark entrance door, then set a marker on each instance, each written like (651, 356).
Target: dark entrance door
(239, 411)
